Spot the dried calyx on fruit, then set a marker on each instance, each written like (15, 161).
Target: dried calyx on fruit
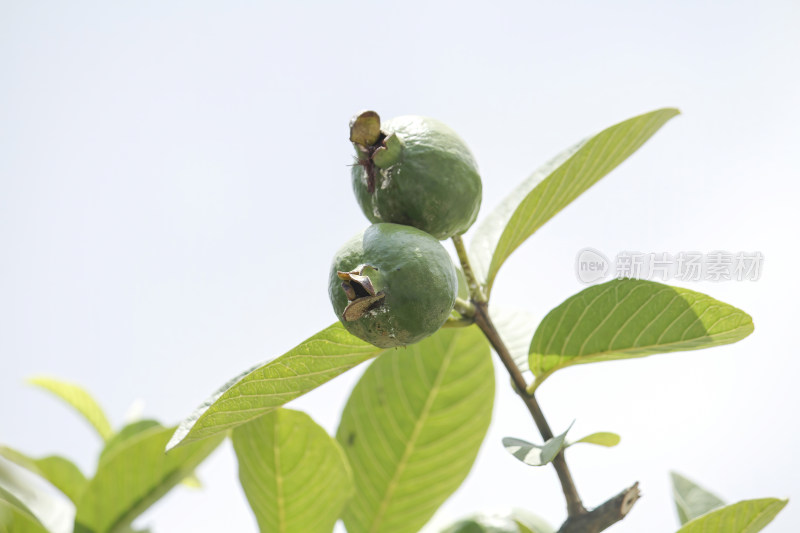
(415, 171)
(392, 285)
(360, 293)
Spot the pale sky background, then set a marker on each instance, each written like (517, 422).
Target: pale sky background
(164, 165)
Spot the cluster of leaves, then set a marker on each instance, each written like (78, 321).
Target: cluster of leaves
(132, 473)
(413, 424)
(288, 466)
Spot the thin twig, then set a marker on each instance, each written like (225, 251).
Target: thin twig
(579, 519)
(574, 505)
(604, 516)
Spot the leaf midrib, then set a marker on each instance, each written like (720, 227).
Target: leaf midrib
(757, 518)
(155, 493)
(574, 358)
(280, 497)
(412, 440)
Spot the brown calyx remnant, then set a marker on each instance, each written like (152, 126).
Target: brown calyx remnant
(360, 292)
(366, 134)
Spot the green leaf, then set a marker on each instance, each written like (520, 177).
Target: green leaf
(192, 482)
(551, 188)
(412, 428)
(525, 529)
(748, 516)
(691, 500)
(505, 521)
(264, 388)
(133, 429)
(463, 288)
(15, 517)
(128, 431)
(59, 471)
(80, 400)
(601, 438)
(24, 495)
(627, 318)
(296, 477)
(533, 454)
(516, 327)
(133, 476)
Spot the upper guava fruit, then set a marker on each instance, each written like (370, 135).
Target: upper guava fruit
(392, 285)
(415, 171)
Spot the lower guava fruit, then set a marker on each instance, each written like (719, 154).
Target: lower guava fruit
(392, 285)
(415, 171)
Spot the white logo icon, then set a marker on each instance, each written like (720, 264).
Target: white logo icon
(591, 265)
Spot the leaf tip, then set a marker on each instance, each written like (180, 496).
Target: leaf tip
(750, 326)
(177, 438)
(37, 381)
(671, 111)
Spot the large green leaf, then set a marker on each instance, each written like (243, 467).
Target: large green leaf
(749, 516)
(80, 400)
(15, 517)
(134, 428)
(29, 493)
(626, 318)
(412, 428)
(60, 471)
(270, 385)
(133, 476)
(128, 431)
(554, 186)
(516, 327)
(505, 521)
(691, 500)
(294, 474)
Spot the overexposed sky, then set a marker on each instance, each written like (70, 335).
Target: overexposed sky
(163, 166)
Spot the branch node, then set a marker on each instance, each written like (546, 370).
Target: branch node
(604, 516)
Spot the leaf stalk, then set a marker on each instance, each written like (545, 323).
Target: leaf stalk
(475, 290)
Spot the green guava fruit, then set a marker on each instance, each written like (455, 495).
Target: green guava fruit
(415, 171)
(392, 285)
